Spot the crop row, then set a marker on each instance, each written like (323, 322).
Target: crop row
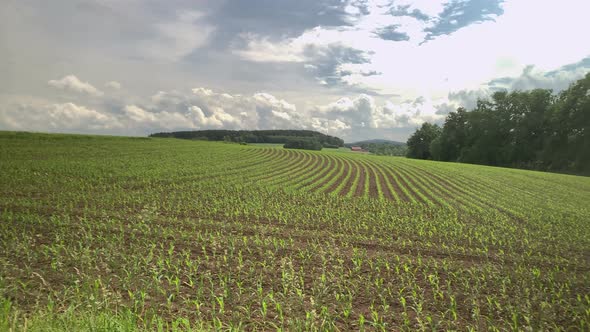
(355, 176)
(169, 234)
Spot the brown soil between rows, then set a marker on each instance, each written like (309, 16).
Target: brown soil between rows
(360, 188)
(302, 240)
(373, 190)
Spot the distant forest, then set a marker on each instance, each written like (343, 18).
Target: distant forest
(293, 137)
(382, 147)
(534, 129)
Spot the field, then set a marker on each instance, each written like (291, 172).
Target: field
(144, 233)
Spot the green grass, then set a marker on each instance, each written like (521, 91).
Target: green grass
(110, 233)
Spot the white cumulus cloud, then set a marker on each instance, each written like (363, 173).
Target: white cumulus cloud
(37, 115)
(364, 112)
(72, 83)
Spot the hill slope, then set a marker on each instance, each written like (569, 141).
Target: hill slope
(148, 232)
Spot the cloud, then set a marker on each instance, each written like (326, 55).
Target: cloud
(208, 109)
(274, 113)
(326, 59)
(191, 118)
(534, 78)
(113, 85)
(70, 115)
(363, 117)
(204, 108)
(338, 64)
(530, 78)
(458, 14)
(390, 39)
(279, 19)
(261, 49)
(426, 8)
(444, 109)
(357, 117)
(364, 112)
(390, 33)
(275, 64)
(468, 98)
(176, 39)
(404, 10)
(66, 117)
(72, 83)
(330, 127)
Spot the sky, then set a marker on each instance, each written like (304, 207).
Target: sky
(356, 69)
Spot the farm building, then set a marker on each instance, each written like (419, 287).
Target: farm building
(357, 149)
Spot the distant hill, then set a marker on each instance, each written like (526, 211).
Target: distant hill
(375, 141)
(256, 136)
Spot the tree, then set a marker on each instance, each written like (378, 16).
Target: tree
(452, 139)
(306, 144)
(568, 142)
(487, 132)
(528, 120)
(530, 129)
(436, 148)
(419, 142)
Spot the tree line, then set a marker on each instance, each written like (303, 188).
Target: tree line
(534, 129)
(383, 149)
(259, 136)
(304, 144)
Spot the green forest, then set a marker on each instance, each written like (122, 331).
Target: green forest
(534, 129)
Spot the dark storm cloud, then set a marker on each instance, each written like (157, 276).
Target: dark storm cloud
(459, 14)
(390, 33)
